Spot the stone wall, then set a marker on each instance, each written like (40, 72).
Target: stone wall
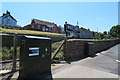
(78, 48)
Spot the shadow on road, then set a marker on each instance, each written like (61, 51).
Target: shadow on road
(43, 76)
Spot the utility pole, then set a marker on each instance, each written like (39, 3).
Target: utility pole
(77, 23)
(97, 29)
(97, 32)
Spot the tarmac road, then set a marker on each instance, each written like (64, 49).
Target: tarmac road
(107, 60)
(104, 65)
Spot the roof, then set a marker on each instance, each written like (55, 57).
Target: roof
(13, 18)
(86, 30)
(72, 28)
(43, 22)
(9, 15)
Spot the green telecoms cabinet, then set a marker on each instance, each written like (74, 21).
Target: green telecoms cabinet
(35, 56)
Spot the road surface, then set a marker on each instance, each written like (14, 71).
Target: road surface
(104, 65)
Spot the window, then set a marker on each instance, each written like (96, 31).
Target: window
(54, 29)
(50, 26)
(32, 26)
(8, 22)
(43, 28)
(38, 27)
(46, 29)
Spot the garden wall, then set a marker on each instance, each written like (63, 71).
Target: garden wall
(77, 48)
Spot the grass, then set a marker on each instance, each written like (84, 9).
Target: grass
(29, 32)
(60, 55)
(8, 51)
(54, 48)
(8, 27)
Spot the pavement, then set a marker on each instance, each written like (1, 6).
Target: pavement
(78, 71)
(104, 65)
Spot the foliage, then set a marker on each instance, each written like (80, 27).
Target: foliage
(93, 33)
(115, 31)
(105, 32)
(7, 53)
(101, 36)
(8, 27)
(54, 47)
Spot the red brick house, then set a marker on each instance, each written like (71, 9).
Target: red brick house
(39, 25)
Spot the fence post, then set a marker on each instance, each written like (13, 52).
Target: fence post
(58, 49)
(14, 52)
(65, 48)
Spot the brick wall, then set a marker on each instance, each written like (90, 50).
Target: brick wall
(78, 48)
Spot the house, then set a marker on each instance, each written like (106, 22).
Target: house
(85, 33)
(76, 32)
(7, 19)
(39, 25)
(72, 30)
(62, 28)
(58, 29)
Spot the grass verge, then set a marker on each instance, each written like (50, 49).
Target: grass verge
(29, 32)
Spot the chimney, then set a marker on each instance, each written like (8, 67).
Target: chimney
(3, 14)
(8, 12)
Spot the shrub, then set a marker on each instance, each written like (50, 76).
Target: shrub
(54, 48)
(7, 53)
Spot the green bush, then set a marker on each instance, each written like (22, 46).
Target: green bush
(7, 53)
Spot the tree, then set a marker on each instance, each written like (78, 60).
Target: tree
(115, 31)
(93, 33)
(101, 35)
(105, 32)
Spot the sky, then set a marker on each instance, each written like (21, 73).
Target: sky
(97, 16)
